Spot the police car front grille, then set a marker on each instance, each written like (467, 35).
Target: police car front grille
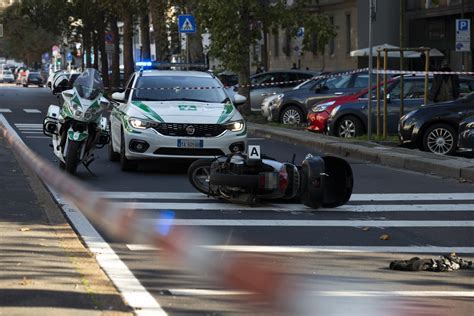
(200, 130)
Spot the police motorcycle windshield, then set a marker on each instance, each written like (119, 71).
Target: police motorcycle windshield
(89, 84)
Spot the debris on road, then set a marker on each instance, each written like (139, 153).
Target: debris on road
(446, 263)
(384, 237)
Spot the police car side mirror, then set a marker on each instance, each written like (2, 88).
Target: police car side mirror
(239, 99)
(118, 96)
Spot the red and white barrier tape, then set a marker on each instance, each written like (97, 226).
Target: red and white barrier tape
(327, 76)
(431, 73)
(127, 225)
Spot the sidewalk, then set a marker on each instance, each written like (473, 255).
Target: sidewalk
(396, 157)
(45, 267)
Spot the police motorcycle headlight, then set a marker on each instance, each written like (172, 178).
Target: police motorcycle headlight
(322, 106)
(235, 126)
(139, 123)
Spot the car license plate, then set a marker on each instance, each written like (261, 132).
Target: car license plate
(190, 143)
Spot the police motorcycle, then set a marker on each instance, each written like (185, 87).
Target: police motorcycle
(252, 179)
(77, 127)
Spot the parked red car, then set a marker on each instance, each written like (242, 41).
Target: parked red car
(318, 115)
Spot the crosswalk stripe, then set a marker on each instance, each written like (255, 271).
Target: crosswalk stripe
(5, 111)
(354, 198)
(318, 249)
(31, 111)
(298, 207)
(317, 223)
(42, 137)
(208, 292)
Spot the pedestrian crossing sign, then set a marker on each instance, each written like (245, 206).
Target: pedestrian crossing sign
(186, 23)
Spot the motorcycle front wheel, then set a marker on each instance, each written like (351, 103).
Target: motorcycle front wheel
(199, 173)
(72, 156)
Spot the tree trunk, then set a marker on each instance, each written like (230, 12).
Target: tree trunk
(264, 50)
(128, 63)
(145, 36)
(196, 54)
(96, 50)
(86, 42)
(158, 9)
(116, 55)
(244, 69)
(104, 61)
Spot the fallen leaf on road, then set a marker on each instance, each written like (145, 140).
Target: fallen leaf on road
(384, 237)
(24, 229)
(365, 228)
(25, 281)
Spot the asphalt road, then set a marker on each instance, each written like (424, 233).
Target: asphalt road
(331, 250)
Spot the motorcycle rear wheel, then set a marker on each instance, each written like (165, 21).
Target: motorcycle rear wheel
(72, 156)
(199, 173)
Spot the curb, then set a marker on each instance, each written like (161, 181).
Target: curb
(395, 157)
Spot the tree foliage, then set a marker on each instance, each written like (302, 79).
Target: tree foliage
(24, 39)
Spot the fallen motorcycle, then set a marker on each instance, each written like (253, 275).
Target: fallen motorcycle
(318, 182)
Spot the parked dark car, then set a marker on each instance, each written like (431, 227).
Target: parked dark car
(33, 78)
(434, 127)
(350, 119)
(466, 135)
(292, 107)
(274, 82)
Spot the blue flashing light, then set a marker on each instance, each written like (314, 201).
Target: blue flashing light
(144, 64)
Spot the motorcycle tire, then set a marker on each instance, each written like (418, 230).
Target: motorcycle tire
(193, 170)
(72, 156)
(236, 180)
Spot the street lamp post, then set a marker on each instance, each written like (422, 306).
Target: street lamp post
(369, 105)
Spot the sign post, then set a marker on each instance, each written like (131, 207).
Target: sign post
(463, 37)
(186, 25)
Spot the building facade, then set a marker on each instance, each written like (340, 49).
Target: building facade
(432, 23)
(350, 19)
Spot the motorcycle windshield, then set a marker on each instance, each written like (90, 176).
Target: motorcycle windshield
(89, 84)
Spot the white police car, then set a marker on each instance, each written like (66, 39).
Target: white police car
(174, 114)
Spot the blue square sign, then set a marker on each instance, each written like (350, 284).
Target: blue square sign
(462, 25)
(186, 23)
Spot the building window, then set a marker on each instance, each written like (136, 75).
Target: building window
(276, 43)
(348, 34)
(431, 4)
(332, 42)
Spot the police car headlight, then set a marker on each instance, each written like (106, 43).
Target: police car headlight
(138, 123)
(235, 126)
(322, 106)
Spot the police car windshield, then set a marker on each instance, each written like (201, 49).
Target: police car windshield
(178, 88)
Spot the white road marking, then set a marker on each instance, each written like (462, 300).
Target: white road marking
(205, 292)
(133, 292)
(316, 223)
(35, 132)
(31, 111)
(28, 124)
(38, 137)
(5, 111)
(343, 249)
(395, 293)
(354, 198)
(299, 207)
(319, 249)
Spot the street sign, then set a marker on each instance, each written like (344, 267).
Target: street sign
(109, 37)
(300, 32)
(463, 35)
(69, 57)
(55, 51)
(109, 48)
(186, 23)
